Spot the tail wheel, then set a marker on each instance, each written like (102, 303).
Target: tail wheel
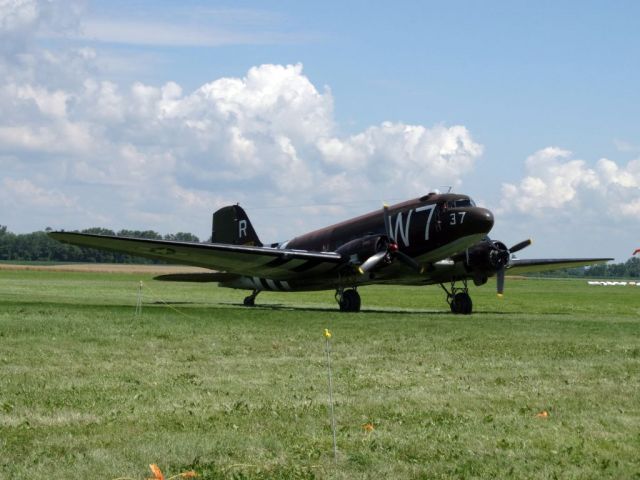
(250, 301)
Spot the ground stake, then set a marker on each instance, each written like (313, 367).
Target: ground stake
(139, 301)
(327, 337)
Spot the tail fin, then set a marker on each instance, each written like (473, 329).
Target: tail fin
(231, 225)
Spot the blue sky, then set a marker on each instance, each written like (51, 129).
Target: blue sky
(530, 107)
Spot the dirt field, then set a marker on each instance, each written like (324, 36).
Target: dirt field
(107, 268)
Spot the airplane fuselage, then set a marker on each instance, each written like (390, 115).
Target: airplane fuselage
(419, 226)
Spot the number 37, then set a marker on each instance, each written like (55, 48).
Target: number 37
(456, 218)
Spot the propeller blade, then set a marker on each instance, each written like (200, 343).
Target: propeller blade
(373, 261)
(387, 222)
(519, 246)
(407, 260)
(500, 281)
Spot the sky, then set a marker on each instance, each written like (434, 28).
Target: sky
(153, 114)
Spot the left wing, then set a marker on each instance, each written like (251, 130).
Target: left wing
(546, 264)
(279, 264)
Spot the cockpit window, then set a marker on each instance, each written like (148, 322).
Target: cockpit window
(461, 202)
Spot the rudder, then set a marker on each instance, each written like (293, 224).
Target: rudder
(231, 225)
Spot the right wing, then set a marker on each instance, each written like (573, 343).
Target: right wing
(546, 264)
(266, 262)
(448, 270)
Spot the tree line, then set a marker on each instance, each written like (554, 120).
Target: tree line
(629, 269)
(38, 247)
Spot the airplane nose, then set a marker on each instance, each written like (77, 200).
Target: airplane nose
(481, 220)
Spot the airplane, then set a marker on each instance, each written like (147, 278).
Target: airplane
(437, 239)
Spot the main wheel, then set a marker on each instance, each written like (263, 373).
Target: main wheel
(350, 301)
(461, 303)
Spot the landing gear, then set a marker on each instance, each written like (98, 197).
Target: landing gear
(459, 299)
(461, 303)
(349, 300)
(250, 301)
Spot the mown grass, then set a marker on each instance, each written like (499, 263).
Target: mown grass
(87, 390)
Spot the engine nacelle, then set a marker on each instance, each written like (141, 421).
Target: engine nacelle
(487, 257)
(358, 250)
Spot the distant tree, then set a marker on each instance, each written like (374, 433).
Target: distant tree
(596, 271)
(633, 267)
(148, 234)
(182, 237)
(38, 246)
(98, 231)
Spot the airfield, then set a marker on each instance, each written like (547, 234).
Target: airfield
(544, 383)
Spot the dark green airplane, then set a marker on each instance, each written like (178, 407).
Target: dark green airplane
(435, 239)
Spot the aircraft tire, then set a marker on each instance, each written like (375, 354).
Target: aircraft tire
(350, 301)
(249, 301)
(462, 304)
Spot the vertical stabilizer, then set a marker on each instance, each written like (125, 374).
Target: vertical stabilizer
(231, 225)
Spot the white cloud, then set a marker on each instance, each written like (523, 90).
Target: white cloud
(21, 192)
(195, 25)
(171, 157)
(612, 174)
(625, 146)
(164, 33)
(557, 185)
(49, 103)
(22, 20)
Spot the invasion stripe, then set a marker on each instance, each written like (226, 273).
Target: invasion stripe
(278, 262)
(307, 266)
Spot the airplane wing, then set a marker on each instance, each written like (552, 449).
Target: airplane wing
(279, 264)
(546, 264)
(448, 270)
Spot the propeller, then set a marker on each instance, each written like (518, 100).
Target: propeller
(390, 250)
(502, 257)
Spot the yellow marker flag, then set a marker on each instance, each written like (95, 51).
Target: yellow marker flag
(327, 333)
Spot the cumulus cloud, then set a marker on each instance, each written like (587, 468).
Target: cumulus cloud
(158, 153)
(23, 192)
(557, 183)
(410, 155)
(22, 20)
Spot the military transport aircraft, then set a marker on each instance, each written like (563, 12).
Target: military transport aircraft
(435, 239)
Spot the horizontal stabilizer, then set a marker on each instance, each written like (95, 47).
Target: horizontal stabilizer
(203, 277)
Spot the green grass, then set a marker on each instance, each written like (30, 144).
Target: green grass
(87, 390)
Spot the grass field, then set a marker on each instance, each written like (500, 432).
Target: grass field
(88, 390)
